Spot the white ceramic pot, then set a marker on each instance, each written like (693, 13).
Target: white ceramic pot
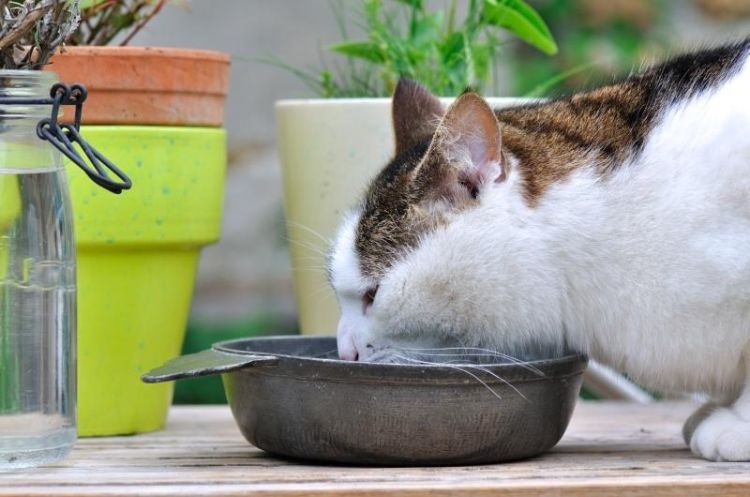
(330, 150)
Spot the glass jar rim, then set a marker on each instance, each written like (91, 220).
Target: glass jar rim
(16, 83)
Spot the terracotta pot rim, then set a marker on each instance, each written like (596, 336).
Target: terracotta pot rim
(148, 85)
(171, 52)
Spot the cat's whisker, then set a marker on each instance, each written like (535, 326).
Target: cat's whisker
(446, 351)
(311, 269)
(297, 225)
(320, 294)
(321, 251)
(504, 381)
(308, 267)
(309, 263)
(313, 241)
(309, 258)
(517, 362)
(313, 244)
(487, 371)
(318, 291)
(326, 353)
(459, 368)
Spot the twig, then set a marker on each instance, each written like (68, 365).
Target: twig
(143, 22)
(104, 21)
(103, 25)
(32, 30)
(20, 29)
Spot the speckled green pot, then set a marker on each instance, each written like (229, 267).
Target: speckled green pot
(137, 260)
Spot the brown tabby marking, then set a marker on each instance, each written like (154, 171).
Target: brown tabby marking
(600, 128)
(551, 140)
(398, 210)
(604, 126)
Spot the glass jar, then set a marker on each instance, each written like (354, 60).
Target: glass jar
(37, 284)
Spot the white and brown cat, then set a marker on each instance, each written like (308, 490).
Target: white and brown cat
(614, 221)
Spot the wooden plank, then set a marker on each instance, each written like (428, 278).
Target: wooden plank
(610, 449)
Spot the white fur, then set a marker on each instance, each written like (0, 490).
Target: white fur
(350, 286)
(647, 270)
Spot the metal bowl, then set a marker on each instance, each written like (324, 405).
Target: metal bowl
(291, 397)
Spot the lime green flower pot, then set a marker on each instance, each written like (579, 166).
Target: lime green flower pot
(137, 261)
(10, 206)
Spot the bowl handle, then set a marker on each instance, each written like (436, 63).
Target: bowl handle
(207, 362)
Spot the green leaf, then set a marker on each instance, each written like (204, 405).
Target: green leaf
(525, 10)
(122, 21)
(543, 88)
(427, 29)
(371, 12)
(482, 60)
(417, 4)
(452, 47)
(85, 4)
(327, 84)
(521, 19)
(363, 49)
(471, 75)
(454, 63)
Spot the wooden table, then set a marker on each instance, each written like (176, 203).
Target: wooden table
(610, 449)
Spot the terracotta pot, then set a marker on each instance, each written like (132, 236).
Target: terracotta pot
(146, 85)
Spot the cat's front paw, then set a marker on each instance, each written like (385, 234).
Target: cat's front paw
(722, 436)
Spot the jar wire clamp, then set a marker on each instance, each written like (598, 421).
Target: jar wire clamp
(64, 137)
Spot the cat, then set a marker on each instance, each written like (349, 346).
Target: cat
(615, 221)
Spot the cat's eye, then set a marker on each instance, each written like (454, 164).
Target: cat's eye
(369, 298)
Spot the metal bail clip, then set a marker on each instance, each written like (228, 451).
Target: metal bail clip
(65, 137)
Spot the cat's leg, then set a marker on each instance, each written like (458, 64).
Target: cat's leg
(721, 431)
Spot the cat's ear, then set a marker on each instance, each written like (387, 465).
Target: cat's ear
(466, 151)
(416, 113)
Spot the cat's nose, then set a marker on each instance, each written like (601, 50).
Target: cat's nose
(345, 343)
(347, 350)
(348, 354)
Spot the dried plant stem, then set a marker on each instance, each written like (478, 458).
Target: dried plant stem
(32, 30)
(103, 22)
(24, 25)
(143, 22)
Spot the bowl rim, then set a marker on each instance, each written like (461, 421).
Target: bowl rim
(306, 368)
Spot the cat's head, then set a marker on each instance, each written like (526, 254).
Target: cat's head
(425, 259)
